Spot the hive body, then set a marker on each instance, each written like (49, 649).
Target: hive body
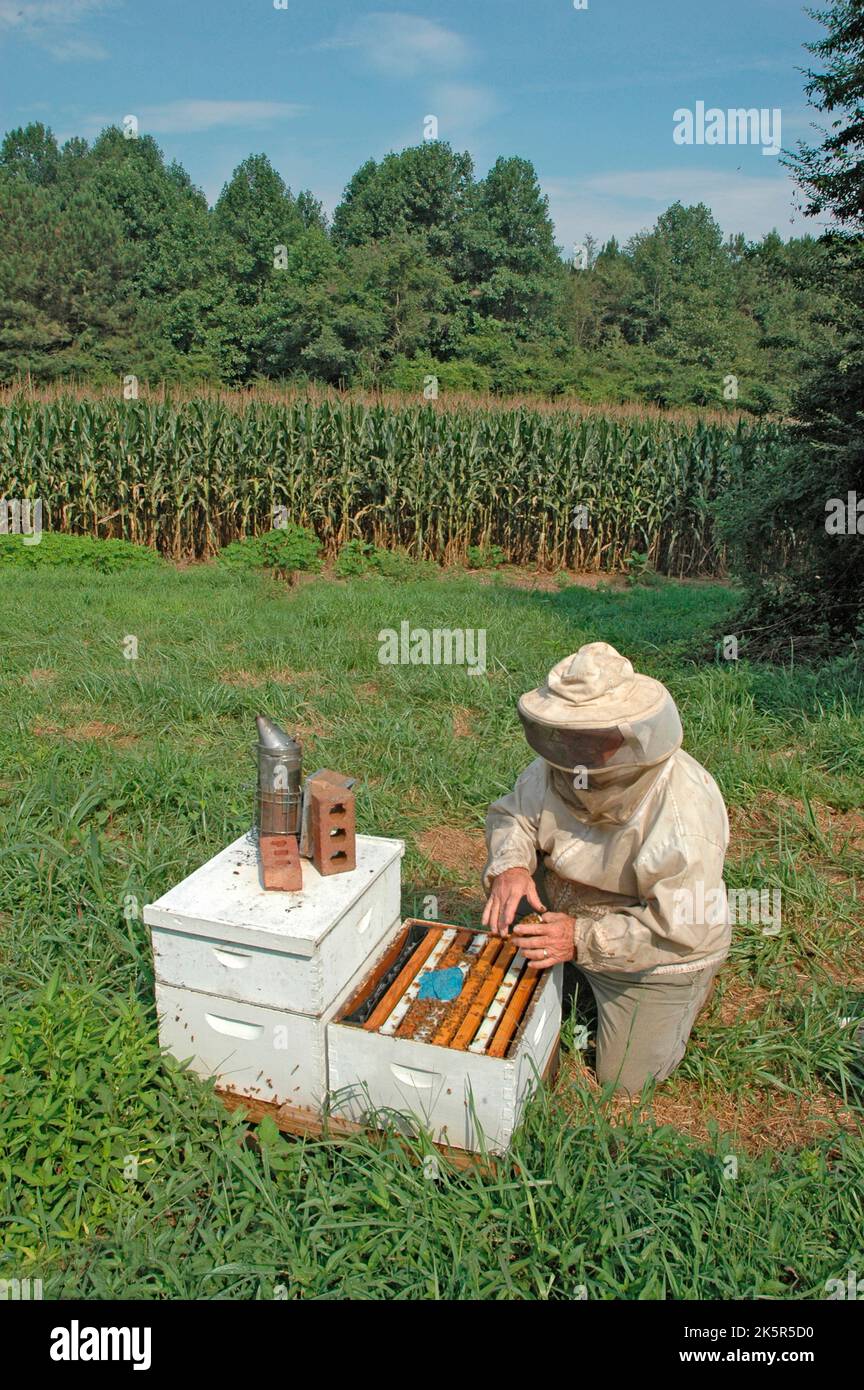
(246, 979)
(437, 1062)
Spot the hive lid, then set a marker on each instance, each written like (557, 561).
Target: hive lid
(224, 899)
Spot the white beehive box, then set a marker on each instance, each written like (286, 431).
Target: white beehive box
(247, 980)
(464, 1099)
(220, 933)
(267, 1054)
(261, 1053)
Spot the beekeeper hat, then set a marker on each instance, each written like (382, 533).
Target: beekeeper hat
(595, 692)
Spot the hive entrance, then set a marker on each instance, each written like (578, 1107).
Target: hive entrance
(497, 988)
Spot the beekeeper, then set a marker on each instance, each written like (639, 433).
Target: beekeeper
(621, 835)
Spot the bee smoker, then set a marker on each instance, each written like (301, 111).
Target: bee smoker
(316, 822)
(279, 806)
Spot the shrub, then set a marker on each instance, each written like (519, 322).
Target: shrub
(53, 549)
(640, 571)
(353, 559)
(803, 575)
(284, 551)
(361, 557)
(398, 564)
(484, 557)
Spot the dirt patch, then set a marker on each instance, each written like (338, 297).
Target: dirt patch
(754, 826)
(460, 851)
(92, 731)
(368, 690)
(595, 580)
(244, 680)
(284, 676)
(844, 828)
(253, 680)
(532, 581)
(512, 579)
(848, 825)
(463, 722)
(739, 1002)
(760, 1121)
(849, 975)
(543, 581)
(310, 725)
(40, 674)
(750, 826)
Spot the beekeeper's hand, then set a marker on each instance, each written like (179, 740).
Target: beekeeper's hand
(507, 892)
(547, 942)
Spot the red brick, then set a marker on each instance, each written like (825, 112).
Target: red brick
(280, 863)
(332, 827)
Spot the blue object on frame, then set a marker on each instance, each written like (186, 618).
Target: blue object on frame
(442, 984)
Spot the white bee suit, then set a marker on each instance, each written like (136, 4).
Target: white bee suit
(636, 857)
(675, 839)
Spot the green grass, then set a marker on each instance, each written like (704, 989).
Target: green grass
(118, 777)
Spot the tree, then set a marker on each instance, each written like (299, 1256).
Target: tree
(407, 289)
(307, 324)
(809, 584)
(175, 263)
(511, 261)
(422, 190)
(67, 304)
(31, 153)
(832, 173)
(681, 261)
(255, 214)
(425, 270)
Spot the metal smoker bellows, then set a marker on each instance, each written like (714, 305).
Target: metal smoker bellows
(280, 779)
(279, 806)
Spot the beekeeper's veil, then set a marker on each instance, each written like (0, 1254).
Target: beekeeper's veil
(596, 718)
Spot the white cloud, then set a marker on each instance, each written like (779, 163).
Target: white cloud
(190, 116)
(75, 50)
(621, 204)
(175, 117)
(403, 45)
(48, 23)
(461, 107)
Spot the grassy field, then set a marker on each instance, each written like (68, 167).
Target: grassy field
(120, 776)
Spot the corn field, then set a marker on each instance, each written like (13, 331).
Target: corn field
(555, 489)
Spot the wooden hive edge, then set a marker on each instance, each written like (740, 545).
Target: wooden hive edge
(310, 1124)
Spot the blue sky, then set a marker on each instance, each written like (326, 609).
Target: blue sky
(588, 95)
